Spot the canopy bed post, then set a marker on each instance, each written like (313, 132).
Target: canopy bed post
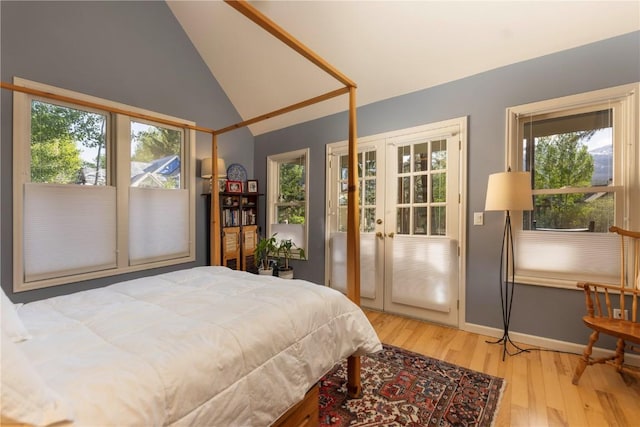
(354, 385)
(214, 235)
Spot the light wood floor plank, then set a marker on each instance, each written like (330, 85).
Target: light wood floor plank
(538, 388)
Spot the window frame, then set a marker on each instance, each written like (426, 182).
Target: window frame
(623, 100)
(117, 149)
(273, 191)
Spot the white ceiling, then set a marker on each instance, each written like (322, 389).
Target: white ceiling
(388, 48)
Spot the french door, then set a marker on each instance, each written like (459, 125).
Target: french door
(410, 227)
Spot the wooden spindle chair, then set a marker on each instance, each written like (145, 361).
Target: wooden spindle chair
(602, 300)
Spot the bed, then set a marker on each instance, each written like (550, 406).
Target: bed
(204, 346)
(65, 365)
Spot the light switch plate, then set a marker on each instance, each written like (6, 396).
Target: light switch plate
(478, 218)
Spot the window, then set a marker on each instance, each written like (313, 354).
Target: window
(97, 193)
(288, 205)
(583, 157)
(367, 162)
(422, 188)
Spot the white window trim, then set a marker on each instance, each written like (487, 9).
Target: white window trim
(21, 162)
(626, 166)
(273, 191)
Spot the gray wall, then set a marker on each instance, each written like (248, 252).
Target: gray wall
(540, 311)
(131, 52)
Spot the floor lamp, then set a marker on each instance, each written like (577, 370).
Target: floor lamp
(508, 191)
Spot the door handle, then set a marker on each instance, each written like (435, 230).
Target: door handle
(378, 221)
(379, 234)
(391, 234)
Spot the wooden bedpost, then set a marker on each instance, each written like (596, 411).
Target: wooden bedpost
(214, 234)
(354, 385)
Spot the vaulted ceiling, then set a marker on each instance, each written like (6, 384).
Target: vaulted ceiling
(388, 48)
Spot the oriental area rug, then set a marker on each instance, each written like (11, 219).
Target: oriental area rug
(402, 388)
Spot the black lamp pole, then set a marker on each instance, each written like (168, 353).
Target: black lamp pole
(507, 282)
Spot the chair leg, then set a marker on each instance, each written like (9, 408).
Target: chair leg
(619, 360)
(586, 355)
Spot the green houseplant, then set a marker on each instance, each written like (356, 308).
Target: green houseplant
(284, 252)
(265, 249)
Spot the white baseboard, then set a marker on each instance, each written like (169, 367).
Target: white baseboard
(548, 343)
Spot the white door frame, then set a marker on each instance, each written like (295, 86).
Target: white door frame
(462, 205)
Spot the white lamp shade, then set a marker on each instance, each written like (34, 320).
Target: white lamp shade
(206, 169)
(509, 191)
(222, 168)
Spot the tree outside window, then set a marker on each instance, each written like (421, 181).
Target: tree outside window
(571, 160)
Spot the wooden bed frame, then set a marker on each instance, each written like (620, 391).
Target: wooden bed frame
(306, 411)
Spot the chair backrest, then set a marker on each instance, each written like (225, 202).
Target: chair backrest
(628, 288)
(629, 269)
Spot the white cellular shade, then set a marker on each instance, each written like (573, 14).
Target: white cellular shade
(158, 224)
(68, 229)
(573, 256)
(423, 270)
(295, 232)
(367, 263)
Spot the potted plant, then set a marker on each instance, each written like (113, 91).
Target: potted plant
(284, 252)
(265, 249)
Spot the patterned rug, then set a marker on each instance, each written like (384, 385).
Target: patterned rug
(402, 388)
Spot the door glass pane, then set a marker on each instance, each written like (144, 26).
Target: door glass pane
(421, 155)
(369, 222)
(344, 167)
(420, 195)
(404, 159)
(420, 220)
(370, 192)
(402, 221)
(438, 221)
(344, 194)
(439, 154)
(404, 189)
(342, 218)
(155, 156)
(370, 163)
(439, 187)
(68, 146)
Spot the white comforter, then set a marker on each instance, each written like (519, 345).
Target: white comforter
(204, 347)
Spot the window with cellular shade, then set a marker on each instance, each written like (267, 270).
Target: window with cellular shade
(68, 229)
(98, 191)
(158, 224)
(580, 152)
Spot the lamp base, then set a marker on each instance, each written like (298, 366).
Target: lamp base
(506, 340)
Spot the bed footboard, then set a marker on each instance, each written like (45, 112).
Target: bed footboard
(305, 413)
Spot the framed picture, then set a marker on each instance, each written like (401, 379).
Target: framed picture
(252, 186)
(234, 186)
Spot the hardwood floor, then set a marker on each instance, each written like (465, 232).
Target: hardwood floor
(539, 391)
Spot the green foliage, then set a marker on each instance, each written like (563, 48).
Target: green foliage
(155, 143)
(59, 131)
(292, 193)
(55, 161)
(562, 161)
(265, 249)
(49, 121)
(285, 250)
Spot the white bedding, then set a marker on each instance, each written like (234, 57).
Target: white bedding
(207, 346)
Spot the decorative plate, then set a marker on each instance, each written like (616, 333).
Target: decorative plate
(236, 172)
